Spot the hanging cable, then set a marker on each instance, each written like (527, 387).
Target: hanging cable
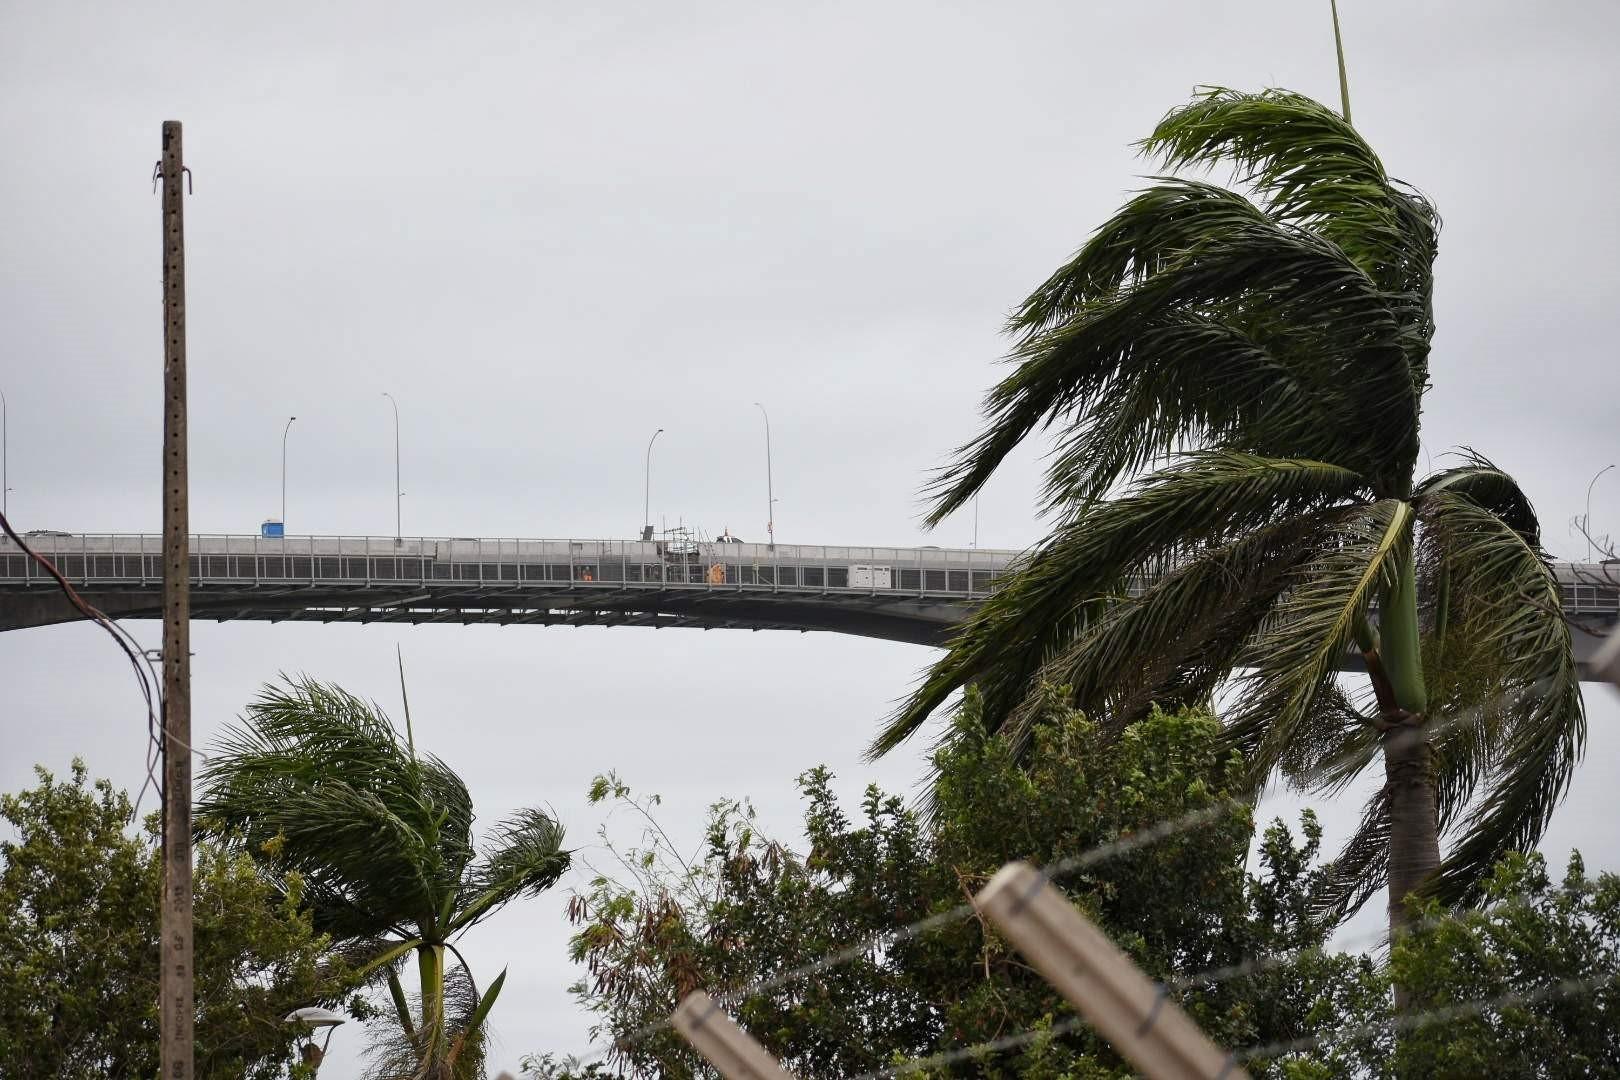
(140, 660)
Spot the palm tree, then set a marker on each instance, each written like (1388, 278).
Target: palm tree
(1237, 380)
(317, 782)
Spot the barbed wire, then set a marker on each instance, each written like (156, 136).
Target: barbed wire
(887, 938)
(1127, 842)
(1207, 977)
(1563, 988)
(990, 1046)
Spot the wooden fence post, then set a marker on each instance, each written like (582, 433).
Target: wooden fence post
(1129, 1010)
(729, 1048)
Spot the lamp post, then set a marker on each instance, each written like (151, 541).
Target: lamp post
(646, 490)
(770, 495)
(307, 1020)
(5, 464)
(284, 431)
(1586, 522)
(398, 491)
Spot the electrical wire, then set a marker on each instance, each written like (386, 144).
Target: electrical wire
(147, 676)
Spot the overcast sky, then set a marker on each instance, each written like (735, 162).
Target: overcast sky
(550, 229)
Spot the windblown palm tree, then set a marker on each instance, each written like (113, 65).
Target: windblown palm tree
(317, 782)
(1237, 379)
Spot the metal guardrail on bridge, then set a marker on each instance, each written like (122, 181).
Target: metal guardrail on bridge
(116, 560)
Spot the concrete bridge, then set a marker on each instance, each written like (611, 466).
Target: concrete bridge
(896, 594)
(915, 595)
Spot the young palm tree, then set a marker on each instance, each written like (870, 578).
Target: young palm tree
(1238, 382)
(317, 782)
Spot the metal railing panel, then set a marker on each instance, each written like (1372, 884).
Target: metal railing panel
(504, 563)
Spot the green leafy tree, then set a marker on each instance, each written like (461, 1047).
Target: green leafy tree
(1237, 377)
(79, 900)
(1549, 953)
(746, 909)
(316, 783)
(1525, 988)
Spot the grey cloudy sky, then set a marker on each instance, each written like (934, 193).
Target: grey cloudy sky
(549, 229)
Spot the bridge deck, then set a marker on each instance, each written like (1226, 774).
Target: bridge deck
(904, 594)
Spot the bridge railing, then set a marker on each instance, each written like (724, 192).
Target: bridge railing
(440, 563)
(458, 563)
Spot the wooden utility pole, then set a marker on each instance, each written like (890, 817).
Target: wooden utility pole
(176, 982)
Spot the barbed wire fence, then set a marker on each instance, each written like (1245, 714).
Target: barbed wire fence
(739, 1054)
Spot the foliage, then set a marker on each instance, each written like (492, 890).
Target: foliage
(1554, 947)
(1237, 377)
(79, 900)
(316, 785)
(747, 909)
(1526, 988)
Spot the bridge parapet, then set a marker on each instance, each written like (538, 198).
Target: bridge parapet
(894, 593)
(120, 560)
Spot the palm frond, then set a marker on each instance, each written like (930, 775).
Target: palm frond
(1313, 169)
(527, 858)
(1072, 580)
(1334, 743)
(1503, 613)
(1491, 489)
(315, 780)
(454, 1053)
(1171, 644)
(1192, 381)
(1240, 266)
(1297, 658)
(1155, 228)
(370, 959)
(1360, 869)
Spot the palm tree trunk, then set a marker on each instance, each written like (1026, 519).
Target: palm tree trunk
(430, 968)
(1414, 832)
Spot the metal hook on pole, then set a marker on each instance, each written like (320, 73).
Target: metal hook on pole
(157, 175)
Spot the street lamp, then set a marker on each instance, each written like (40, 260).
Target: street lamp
(646, 491)
(1586, 522)
(308, 1020)
(5, 465)
(284, 431)
(398, 491)
(770, 495)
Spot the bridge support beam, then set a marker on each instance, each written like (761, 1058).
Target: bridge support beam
(18, 611)
(915, 622)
